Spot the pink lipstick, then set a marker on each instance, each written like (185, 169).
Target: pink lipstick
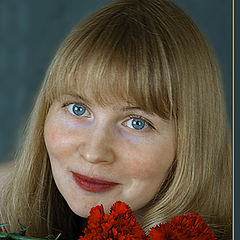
(92, 184)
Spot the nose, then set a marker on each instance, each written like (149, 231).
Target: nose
(98, 146)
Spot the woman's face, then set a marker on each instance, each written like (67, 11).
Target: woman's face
(100, 155)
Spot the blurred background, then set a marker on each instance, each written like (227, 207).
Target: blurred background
(31, 31)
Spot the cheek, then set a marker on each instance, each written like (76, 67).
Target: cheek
(149, 161)
(145, 169)
(58, 139)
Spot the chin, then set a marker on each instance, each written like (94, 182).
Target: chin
(83, 210)
(80, 211)
(82, 207)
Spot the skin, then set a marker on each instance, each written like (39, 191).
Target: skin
(102, 143)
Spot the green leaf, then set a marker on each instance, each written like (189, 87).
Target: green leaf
(21, 226)
(23, 230)
(18, 237)
(3, 225)
(3, 235)
(21, 234)
(58, 236)
(51, 237)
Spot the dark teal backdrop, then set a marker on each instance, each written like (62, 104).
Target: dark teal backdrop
(31, 30)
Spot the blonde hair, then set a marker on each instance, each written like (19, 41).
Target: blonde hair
(149, 52)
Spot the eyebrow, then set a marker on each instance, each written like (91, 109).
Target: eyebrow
(76, 95)
(122, 109)
(128, 108)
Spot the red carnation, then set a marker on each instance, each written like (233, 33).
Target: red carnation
(120, 224)
(184, 227)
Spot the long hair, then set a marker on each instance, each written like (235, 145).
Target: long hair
(152, 53)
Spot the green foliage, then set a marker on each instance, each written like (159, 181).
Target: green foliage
(20, 235)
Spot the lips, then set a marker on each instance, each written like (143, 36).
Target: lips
(93, 184)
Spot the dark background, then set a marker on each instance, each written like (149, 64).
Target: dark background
(31, 31)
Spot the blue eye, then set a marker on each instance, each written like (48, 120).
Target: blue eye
(77, 109)
(136, 123)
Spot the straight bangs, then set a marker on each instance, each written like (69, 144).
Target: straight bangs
(111, 58)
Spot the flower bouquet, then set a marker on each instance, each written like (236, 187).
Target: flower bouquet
(121, 224)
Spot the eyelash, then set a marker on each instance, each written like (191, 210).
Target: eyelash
(131, 116)
(69, 103)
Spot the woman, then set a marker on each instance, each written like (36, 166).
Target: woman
(131, 109)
